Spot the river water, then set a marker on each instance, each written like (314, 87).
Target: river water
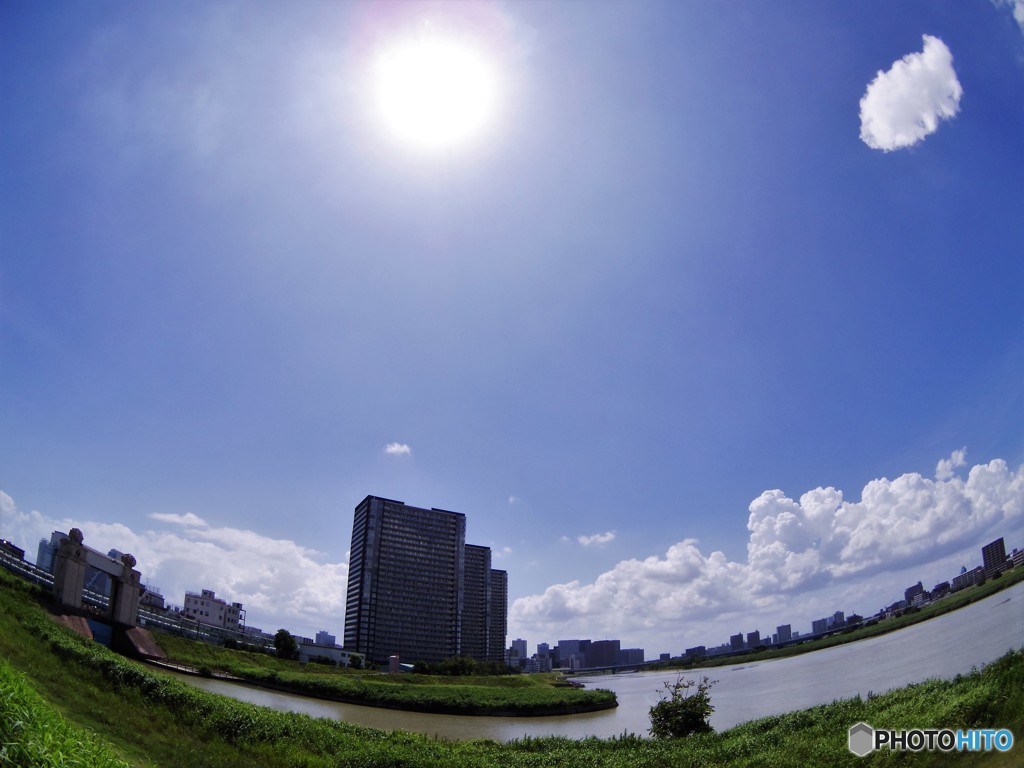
(946, 646)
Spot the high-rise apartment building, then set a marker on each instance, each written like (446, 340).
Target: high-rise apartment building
(603, 653)
(476, 615)
(993, 557)
(415, 589)
(498, 629)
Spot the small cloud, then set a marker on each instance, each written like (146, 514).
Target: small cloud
(905, 104)
(598, 539)
(503, 552)
(513, 500)
(565, 538)
(397, 449)
(188, 519)
(944, 469)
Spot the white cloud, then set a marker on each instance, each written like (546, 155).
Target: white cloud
(1017, 6)
(188, 519)
(278, 581)
(795, 547)
(598, 539)
(397, 449)
(513, 500)
(944, 469)
(905, 104)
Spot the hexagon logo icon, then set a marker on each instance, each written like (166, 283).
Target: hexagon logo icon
(861, 740)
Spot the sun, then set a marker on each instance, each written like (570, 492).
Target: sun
(435, 93)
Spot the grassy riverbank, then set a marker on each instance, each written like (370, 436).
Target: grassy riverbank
(76, 698)
(511, 695)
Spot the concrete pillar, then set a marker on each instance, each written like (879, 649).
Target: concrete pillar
(126, 593)
(69, 570)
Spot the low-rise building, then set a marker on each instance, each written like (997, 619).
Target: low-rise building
(207, 608)
(152, 599)
(969, 578)
(308, 651)
(697, 652)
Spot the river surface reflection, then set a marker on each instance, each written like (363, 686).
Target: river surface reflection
(942, 647)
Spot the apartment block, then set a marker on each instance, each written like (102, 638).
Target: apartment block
(206, 608)
(416, 590)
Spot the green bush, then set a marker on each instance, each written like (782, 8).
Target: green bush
(681, 713)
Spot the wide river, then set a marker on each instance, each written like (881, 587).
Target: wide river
(942, 647)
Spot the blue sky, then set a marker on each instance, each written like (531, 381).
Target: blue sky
(701, 253)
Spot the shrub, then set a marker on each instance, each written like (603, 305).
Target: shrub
(680, 712)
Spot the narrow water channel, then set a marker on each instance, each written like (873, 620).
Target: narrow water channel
(942, 647)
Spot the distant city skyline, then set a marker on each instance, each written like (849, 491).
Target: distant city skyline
(674, 636)
(993, 554)
(704, 312)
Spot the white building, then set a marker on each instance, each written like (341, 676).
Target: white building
(310, 650)
(207, 608)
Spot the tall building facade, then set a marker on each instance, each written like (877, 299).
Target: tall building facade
(498, 629)
(993, 557)
(476, 614)
(415, 589)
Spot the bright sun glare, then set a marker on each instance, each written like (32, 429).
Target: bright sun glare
(435, 93)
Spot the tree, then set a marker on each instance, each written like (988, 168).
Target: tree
(285, 644)
(680, 712)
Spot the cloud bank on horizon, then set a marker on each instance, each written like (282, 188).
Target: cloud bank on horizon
(906, 103)
(279, 582)
(795, 547)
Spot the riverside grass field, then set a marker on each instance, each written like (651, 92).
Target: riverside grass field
(68, 701)
(463, 695)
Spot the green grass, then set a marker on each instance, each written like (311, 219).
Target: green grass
(129, 712)
(473, 695)
(34, 735)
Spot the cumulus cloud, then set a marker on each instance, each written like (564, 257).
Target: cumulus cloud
(905, 104)
(945, 468)
(598, 539)
(279, 582)
(397, 449)
(795, 546)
